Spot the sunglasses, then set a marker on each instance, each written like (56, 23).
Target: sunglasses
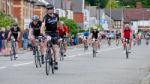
(50, 8)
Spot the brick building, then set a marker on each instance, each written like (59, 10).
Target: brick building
(22, 9)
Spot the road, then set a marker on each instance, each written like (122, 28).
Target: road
(79, 67)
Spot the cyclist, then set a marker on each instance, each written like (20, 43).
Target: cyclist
(63, 33)
(15, 32)
(34, 32)
(94, 35)
(147, 37)
(85, 37)
(109, 36)
(117, 37)
(127, 34)
(139, 37)
(50, 22)
(134, 37)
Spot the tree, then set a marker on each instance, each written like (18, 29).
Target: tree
(71, 25)
(112, 4)
(5, 20)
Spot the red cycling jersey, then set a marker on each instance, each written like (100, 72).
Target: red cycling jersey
(62, 31)
(127, 33)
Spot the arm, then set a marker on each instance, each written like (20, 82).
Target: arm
(19, 33)
(9, 34)
(42, 28)
(43, 25)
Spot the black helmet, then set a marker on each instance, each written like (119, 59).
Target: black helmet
(49, 6)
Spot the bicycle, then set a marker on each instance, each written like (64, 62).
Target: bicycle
(127, 43)
(62, 49)
(109, 41)
(85, 45)
(13, 49)
(36, 51)
(94, 47)
(49, 56)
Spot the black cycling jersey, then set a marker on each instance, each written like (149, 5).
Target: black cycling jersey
(95, 34)
(36, 28)
(118, 35)
(51, 22)
(15, 32)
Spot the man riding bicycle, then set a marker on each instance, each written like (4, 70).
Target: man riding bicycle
(85, 37)
(117, 37)
(34, 33)
(94, 35)
(63, 33)
(147, 36)
(50, 22)
(127, 34)
(15, 33)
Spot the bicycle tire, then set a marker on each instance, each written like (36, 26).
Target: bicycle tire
(47, 63)
(52, 65)
(38, 57)
(94, 52)
(11, 56)
(127, 52)
(61, 52)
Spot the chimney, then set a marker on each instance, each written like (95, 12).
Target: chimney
(138, 5)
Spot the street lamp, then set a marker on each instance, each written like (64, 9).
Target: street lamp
(111, 12)
(123, 13)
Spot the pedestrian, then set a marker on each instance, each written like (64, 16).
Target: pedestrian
(3, 40)
(25, 39)
(7, 49)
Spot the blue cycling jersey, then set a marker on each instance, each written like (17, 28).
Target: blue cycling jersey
(86, 33)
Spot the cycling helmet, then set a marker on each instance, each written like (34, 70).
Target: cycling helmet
(127, 25)
(35, 18)
(94, 27)
(49, 6)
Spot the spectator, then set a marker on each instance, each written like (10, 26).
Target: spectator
(7, 50)
(25, 39)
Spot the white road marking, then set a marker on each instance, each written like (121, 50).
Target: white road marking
(2, 68)
(23, 64)
(16, 65)
(108, 49)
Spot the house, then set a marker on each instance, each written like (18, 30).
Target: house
(78, 8)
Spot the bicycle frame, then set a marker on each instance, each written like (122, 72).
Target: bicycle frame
(13, 49)
(127, 43)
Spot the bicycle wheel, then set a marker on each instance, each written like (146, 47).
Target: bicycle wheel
(11, 56)
(85, 47)
(36, 58)
(52, 64)
(94, 52)
(127, 53)
(13, 51)
(61, 52)
(47, 62)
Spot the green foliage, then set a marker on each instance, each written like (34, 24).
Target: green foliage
(5, 20)
(81, 30)
(71, 25)
(113, 4)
